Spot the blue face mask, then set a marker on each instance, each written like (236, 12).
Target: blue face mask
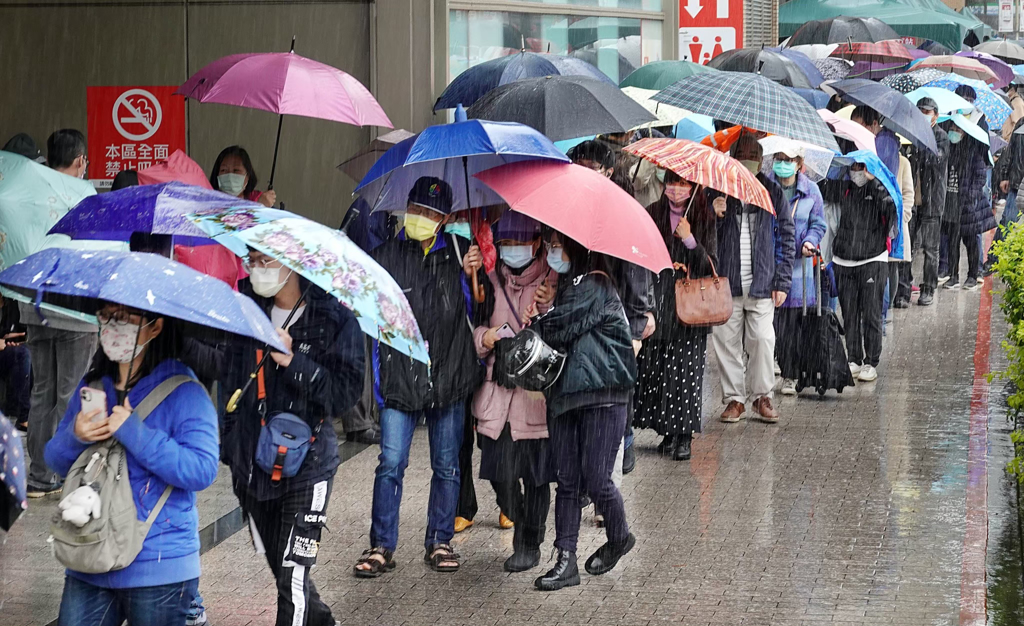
(516, 257)
(784, 169)
(955, 136)
(459, 228)
(556, 262)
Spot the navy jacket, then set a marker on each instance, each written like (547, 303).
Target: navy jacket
(324, 379)
(975, 209)
(773, 242)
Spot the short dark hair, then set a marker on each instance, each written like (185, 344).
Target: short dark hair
(124, 179)
(239, 152)
(966, 92)
(592, 150)
(64, 146)
(869, 115)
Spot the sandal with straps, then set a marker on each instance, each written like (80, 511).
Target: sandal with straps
(377, 568)
(442, 553)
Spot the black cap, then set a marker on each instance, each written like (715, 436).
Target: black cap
(433, 193)
(928, 104)
(24, 145)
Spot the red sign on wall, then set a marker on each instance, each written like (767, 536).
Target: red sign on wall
(132, 128)
(708, 28)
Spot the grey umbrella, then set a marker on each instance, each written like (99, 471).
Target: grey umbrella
(1005, 50)
(357, 165)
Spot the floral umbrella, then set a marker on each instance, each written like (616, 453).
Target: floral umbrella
(832, 68)
(330, 260)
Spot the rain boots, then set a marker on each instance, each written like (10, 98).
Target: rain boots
(526, 544)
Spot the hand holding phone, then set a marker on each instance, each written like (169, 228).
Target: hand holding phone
(93, 399)
(505, 332)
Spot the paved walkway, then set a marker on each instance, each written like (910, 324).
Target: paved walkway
(853, 510)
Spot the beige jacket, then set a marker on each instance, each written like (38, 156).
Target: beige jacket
(1017, 102)
(906, 180)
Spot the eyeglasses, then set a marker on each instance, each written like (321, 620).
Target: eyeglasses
(552, 246)
(251, 263)
(121, 317)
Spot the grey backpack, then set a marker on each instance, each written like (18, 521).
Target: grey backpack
(113, 535)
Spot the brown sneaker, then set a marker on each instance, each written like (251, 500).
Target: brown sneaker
(765, 411)
(732, 412)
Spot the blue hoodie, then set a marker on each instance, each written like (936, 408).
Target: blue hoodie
(177, 445)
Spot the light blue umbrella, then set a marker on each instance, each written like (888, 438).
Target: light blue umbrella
(695, 127)
(988, 102)
(945, 99)
(566, 145)
(878, 169)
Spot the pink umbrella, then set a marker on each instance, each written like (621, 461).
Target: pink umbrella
(584, 205)
(178, 167)
(860, 136)
(287, 84)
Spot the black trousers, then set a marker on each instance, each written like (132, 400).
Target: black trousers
(467, 507)
(289, 528)
(526, 505)
(924, 235)
(860, 296)
(954, 237)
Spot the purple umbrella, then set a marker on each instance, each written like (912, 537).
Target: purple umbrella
(1000, 68)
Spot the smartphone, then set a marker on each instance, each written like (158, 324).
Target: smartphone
(93, 399)
(505, 332)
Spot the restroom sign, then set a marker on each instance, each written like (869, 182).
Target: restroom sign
(132, 128)
(709, 27)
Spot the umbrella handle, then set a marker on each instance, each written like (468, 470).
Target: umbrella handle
(478, 291)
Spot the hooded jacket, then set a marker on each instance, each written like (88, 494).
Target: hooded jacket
(176, 445)
(807, 211)
(975, 209)
(866, 215)
(324, 379)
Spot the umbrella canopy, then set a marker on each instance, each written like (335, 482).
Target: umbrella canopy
(13, 488)
(704, 166)
(1002, 49)
(832, 68)
(453, 153)
(841, 30)
(815, 51)
(178, 167)
(583, 205)
(750, 100)
(904, 83)
(900, 114)
(563, 107)
(1001, 69)
(357, 165)
(860, 136)
(667, 114)
(881, 52)
(33, 198)
(817, 160)
(148, 282)
(695, 127)
(876, 70)
(158, 209)
(472, 84)
(968, 68)
(817, 99)
(987, 101)
(927, 75)
(946, 100)
(772, 65)
(934, 47)
(661, 74)
(328, 259)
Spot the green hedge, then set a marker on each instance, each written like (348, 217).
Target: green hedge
(1010, 269)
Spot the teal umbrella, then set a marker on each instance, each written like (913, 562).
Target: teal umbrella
(660, 74)
(33, 198)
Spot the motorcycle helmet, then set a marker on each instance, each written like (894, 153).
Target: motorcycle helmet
(529, 362)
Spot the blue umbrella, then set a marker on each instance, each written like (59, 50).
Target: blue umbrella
(453, 153)
(695, 127)
(804, 62)
(987, 101)
(471, 85)
(901, 115)
(817, 99)
(158, 209)
(81, 280)
(878, 169)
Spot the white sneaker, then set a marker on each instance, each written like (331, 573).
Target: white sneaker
(855, 369)
(778, 370)
(867, 374)
(789, 387)
(943, 279)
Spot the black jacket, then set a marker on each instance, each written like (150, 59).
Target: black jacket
(1011, 162)
(324, 379)
(588, 323)
(438, 293)
(929, 170)
(866, 214)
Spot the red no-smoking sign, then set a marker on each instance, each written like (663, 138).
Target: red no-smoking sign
(132, 128)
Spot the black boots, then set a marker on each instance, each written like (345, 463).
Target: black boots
(526, 543)
(565, 573)
(608, 555)
(676, 446)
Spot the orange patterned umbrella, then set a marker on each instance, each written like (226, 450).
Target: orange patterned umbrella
(705, 166)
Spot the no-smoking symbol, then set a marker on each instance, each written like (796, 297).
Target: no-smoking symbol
(137, 114)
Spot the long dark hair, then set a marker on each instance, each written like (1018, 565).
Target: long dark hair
(239, 152)
(583, 261)
(166, 345)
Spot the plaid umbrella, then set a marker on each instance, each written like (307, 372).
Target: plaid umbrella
(704, 166)
(750, 100)
(995, 108)
(883, 51)
(968, 68)
(903, 83)
(832, 68)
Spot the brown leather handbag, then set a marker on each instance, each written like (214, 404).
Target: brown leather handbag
(703, 301)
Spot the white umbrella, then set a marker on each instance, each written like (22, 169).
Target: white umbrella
(668, 115)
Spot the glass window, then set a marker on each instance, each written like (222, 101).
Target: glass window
(615, 45)
(644, 5)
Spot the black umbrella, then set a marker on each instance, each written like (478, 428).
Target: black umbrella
(563, 107)
(772, 65)
(935, 48)
(901, 115)
(842, 29)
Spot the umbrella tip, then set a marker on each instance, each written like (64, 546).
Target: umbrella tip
(293, 44)
(460, 113)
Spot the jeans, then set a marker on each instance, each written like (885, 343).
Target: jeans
(860, 296)
(586, 441)
(60, 359)
(924, 232)
(444, 431)
(83, 604)
(16, 368)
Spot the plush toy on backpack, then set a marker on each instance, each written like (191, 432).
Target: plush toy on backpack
(81, 505)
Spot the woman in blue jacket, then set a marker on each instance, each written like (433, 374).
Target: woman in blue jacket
(807, 211)
(176, 445)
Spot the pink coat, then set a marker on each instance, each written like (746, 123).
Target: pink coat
(494, 405)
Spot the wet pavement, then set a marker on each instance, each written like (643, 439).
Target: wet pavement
(852, 510)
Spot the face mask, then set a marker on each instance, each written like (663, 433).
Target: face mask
(231, 184)
(955, 136)
(859, 178)
(118, 341)
(753, 166)
(419, 227)
(556, 262)
(266, 281)
(459, 228)
(660, 173)
(678, 194)
(784, 169)
(516, 257)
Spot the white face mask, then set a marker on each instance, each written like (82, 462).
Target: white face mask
(859, 177)
(267, 281)
(231, 184)
(119, 341)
